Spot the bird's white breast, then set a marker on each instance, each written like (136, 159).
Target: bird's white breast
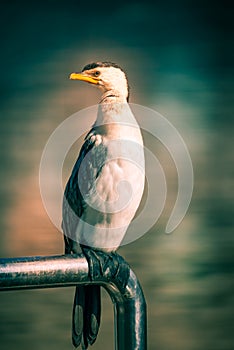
(117, 192)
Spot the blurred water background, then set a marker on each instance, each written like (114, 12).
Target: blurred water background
(179, 60)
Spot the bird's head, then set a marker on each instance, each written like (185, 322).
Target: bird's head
(105, 75)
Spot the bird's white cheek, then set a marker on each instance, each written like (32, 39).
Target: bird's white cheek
(101, 87)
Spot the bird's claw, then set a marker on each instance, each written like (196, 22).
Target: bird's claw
(110, 266)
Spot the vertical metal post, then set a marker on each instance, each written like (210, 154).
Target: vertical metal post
(69, 270)
(130, 317)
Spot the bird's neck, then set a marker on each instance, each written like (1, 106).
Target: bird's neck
(113, 111)
(113, 96)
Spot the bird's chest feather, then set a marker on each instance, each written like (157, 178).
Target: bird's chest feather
(120, 181)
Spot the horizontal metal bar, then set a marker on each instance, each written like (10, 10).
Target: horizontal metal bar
(68, 270)
(43, 272)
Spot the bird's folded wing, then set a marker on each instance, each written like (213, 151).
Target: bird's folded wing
(82, 180)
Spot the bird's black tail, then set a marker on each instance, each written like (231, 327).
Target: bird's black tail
(86, 315)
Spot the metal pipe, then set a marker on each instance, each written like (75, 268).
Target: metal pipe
(71, 270)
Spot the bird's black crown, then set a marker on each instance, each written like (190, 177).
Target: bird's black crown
(101, 64)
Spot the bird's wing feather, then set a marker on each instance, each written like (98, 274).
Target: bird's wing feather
(84, 174)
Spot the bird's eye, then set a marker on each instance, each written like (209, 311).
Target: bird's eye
(97, 73)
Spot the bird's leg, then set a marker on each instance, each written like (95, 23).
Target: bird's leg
(111, 266)
(96, 260)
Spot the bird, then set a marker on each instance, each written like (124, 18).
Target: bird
(105, 187)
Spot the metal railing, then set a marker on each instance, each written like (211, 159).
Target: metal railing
(71, 270)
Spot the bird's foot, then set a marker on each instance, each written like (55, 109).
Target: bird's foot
(110, 266)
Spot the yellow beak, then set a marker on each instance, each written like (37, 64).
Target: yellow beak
(80, 76)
